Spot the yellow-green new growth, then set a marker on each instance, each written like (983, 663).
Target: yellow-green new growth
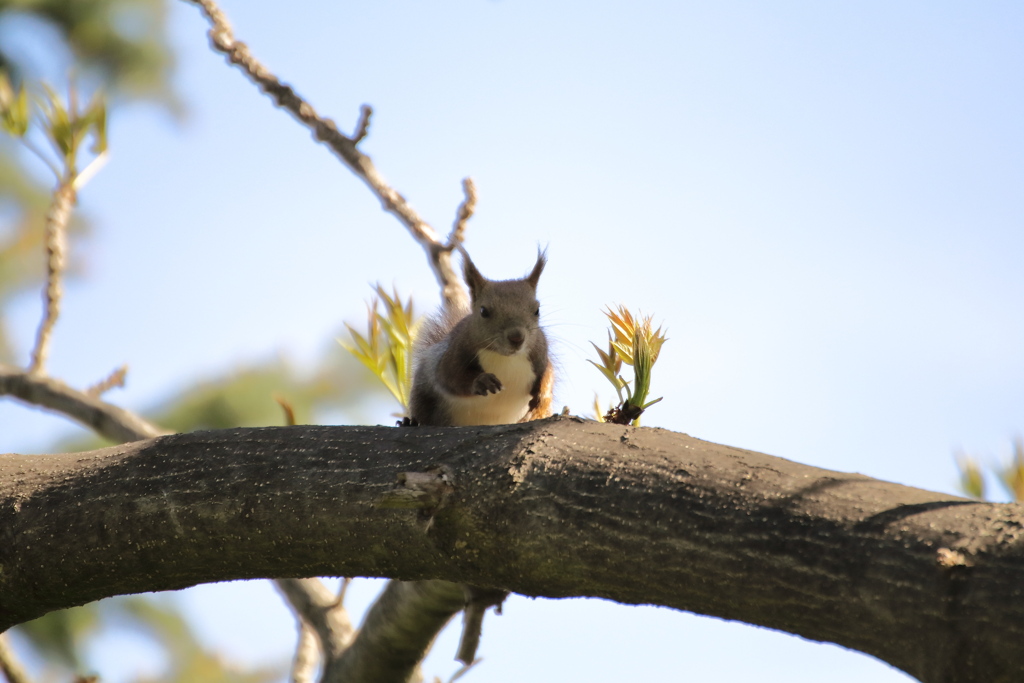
(66, 126)
(635, 342)
(972, 482)
(1012, 474)
(610, 367)
(386, 348)
(14, 113)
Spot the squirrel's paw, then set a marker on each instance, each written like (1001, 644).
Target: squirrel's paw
(486, 383)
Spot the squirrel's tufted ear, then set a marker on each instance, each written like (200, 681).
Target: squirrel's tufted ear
(534, 276)
(474, 280)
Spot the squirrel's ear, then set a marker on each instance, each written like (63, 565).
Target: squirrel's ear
(534, 276)
(474, 280)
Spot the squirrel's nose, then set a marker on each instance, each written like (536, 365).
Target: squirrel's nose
(516, 338)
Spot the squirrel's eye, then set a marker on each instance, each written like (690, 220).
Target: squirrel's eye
(484, 313)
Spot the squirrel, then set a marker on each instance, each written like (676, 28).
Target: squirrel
(487, 365)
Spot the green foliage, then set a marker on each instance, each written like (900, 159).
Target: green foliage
(972, 480)
(1010, 474)
(61, 636)
(610, 367)
(631, 341)
(123, 43)
(64, 637)
(246, 398)
(67, 127)
(251, 396)
(14, 114)
(386, 348)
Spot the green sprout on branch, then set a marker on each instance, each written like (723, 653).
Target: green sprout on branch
(1010, 474)
(386, 348)
(972, 479)
(66, 126)
(635, 342)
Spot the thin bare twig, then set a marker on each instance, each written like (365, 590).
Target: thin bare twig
(319, 609)
(465, 212)
(110, 421)
(363, 125)
(56, 251)
(114, 379)
(325, 130)
(342, 590)
(9, 664)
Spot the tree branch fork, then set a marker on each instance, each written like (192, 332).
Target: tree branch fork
(555, 508)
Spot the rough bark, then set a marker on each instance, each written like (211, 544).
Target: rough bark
(931, 583)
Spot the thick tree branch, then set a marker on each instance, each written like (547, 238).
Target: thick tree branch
(107, 420)
(397, 632)
(319, 612)
(551, 508)
(346, 148)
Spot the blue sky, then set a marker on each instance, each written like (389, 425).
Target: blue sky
(820, 201)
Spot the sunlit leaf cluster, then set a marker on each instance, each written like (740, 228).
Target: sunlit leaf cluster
(14, 112)
(65, 639)
(68, 127)
(129, 65)
(1010, 474)
(121, 43)
(64, 124)
(386, 348)
(631, 341)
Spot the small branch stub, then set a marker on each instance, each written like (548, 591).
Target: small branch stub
(363, 125)
(462, 216)
(114, 379)
(425, 491)
(478, 600)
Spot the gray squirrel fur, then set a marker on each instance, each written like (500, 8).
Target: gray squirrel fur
(485, 365)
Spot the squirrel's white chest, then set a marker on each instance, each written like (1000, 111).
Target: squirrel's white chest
(508, 405)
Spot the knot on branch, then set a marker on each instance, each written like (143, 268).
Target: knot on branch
(425, 491)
